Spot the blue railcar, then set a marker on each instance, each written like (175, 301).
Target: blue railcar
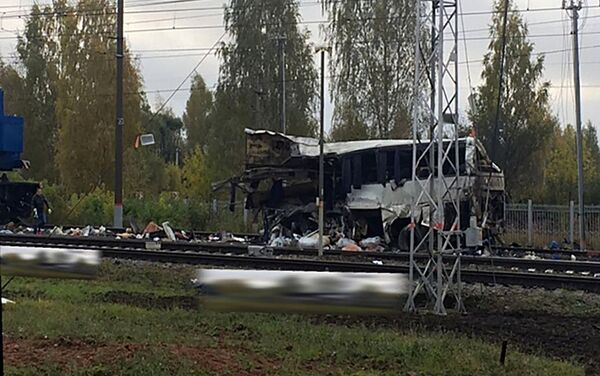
(15, 197)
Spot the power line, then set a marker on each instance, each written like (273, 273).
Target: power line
(549, 52)
(174, 18)
(185, 79)
(100, 11)
(135, 54)
(531, 23)
(208, 27)
(462, 21)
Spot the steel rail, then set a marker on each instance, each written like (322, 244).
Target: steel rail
(473, 276)
(220, 254)
(101, 243)
(254, 237)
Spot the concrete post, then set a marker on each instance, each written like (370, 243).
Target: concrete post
(245, 215)
(529, 222)
(571, 222)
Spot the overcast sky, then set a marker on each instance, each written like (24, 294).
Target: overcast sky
(183, 30)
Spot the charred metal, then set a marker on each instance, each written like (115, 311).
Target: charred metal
(368, 189)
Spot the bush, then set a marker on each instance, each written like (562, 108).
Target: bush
(96, 208)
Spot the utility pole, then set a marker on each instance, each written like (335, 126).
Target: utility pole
(321, 156)
(120, 122)
(281, 47)
(575, 8)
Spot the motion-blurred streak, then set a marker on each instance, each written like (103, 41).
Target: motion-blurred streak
(296, 291)
(49, 262)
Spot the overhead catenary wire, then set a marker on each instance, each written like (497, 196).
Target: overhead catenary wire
(100, 11)
(462, 21)
(149, 10)
(103, 12)
(186, 78)
(314, 22)
(137, 55)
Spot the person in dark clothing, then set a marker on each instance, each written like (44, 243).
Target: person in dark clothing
(40, 204)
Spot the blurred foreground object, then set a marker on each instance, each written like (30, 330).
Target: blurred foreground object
(296, 291)
(49, 262)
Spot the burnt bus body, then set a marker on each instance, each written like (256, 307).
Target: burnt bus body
(368, 187)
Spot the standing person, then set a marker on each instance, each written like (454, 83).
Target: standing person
(40, 204)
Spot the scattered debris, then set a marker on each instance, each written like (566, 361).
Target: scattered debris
(280, 241)
(57, 231)
(169, 231)
(151, 228)
(258, 250)
(127, 234)
(312, 240)
(373, 244)
(351, 247)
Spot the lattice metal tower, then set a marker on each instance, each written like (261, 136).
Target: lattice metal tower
(435, 210)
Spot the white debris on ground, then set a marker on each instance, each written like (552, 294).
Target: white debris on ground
(279, 238)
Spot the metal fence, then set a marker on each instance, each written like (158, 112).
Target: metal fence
(538, 225)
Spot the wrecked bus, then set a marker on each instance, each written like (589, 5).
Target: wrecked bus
(368, 188)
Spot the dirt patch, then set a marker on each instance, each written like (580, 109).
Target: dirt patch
(150, 301)
(569, 338)
(67, 353)
(63, 351)
(223, 359)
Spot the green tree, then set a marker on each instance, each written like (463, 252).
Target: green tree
(14, 90)
(248, 93)
(195, 117)
(560, 184)
(86, 100)
(146, 172)
(372, 67)
(225, 149)
(348, 125)
(560, 175)
(592, 144)
(167, 129)
(36, 49)
(195, 182)
(521, 142)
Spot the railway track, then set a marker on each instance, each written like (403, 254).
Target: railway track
(100, 243)
(525, 272)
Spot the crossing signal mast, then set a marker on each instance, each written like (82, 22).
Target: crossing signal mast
(435, 210)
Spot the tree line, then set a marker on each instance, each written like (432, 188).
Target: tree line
(62, 83)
